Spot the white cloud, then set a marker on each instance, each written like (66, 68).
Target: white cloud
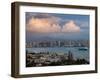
(70, 27)
(45, 23)
(42, 25)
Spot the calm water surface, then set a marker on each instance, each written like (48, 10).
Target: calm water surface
(63, 50)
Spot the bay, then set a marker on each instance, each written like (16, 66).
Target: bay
(78, 54)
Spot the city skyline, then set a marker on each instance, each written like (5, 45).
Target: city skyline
(50, 26)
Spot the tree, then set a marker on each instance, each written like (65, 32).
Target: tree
(70, 57)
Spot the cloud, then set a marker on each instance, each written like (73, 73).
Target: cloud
(45, 23)
(83, 24)
(70, 27)
(42, 25)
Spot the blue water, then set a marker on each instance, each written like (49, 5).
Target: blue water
(63, 50)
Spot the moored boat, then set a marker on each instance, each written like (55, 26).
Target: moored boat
(83, 48)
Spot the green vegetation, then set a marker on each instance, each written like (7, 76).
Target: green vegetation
(52, 59)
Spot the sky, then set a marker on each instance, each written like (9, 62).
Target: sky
(51, 26)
